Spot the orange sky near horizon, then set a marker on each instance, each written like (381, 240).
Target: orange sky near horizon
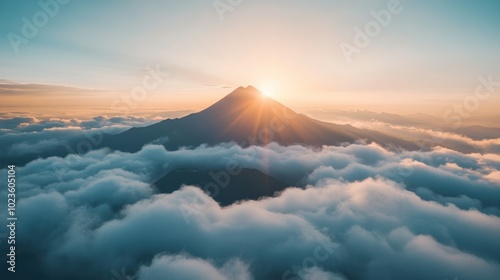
(185, 55)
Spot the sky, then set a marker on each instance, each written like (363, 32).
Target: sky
(84, 54)
(375, 211)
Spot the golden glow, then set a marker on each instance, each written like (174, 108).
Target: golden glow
(268, 89)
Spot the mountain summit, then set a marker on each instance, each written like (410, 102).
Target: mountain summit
(243, 103)
(247, 117)
(248, 92)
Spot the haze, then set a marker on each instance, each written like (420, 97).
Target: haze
(427, 57)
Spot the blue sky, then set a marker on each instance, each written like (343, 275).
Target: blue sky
(430, 50)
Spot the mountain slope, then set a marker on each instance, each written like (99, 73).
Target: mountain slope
(246, 117)
(247, 184)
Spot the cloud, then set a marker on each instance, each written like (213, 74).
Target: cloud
(10, 88)
(357, 211)
(31, 124)
(18, 95)
(316, 273)
(361, 228)
(494, 176)
(436, 137)
(182, 267)
(16, 122)
(22, 136)
(361, 212)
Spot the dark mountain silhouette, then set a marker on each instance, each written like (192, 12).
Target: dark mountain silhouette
(246, 117)
(224, 188)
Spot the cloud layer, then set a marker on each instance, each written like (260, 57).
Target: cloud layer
(21, 136)
(358, 212)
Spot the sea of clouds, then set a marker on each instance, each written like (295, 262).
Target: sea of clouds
(357, 211)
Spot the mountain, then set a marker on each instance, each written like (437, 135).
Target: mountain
(247, 184)
(246, 117)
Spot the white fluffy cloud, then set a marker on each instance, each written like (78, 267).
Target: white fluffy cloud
(182, 267)
(29, 135)
(360, 212)
(356, 212)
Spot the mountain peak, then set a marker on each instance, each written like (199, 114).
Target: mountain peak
(252, 88)
(246, 105)
(247, 117)
(245, 99)
(248, 92)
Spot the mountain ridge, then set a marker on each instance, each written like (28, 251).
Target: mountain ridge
(247, 117)
(246, 184)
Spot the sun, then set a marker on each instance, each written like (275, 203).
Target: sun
(268, 91)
